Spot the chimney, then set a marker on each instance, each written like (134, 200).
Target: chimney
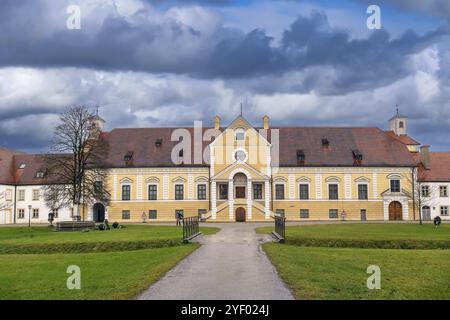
(425, 152)
(216, 122)
(266, 122)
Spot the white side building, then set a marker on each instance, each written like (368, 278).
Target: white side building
(21, 190)
(434, 175)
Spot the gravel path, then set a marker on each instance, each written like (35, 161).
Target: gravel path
(229, 265)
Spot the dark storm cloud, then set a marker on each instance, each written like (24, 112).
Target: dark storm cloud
(174, 47)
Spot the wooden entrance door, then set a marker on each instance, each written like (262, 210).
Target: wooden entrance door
(240, 192)
(395, 211)
(240, 214)
(426, 213)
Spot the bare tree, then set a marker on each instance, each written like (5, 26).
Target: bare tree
(75, 166)
(422, 191)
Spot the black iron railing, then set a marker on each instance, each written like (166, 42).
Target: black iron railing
(280, 228)
(191, 228)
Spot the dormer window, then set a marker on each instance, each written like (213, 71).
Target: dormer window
(325, 142)
(22, 166)
(158, 142)
(181, 154)
(300, 157)
(39, 174)
(240, 134)
(128, 158)
(357, 155)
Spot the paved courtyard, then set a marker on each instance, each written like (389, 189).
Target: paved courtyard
(229, 265)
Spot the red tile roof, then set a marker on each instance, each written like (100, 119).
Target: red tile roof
(7, 165)
(439, 167)
(376, 147)
(404, 138)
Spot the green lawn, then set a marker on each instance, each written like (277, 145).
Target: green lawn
(132, 237)
(340, 273)
(387, 236)
(43, 235)
(367, 231)
(33, 261)
(108, 275)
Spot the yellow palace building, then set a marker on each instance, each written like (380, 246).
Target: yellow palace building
(245, 173)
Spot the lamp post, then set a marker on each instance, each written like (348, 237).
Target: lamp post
(29, 215)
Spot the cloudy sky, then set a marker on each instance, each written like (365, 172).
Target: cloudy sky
(170, 62)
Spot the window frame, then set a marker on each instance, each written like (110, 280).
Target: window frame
(399, 187)
(20, 214)
(366, 185)
(151, 185)
(202, 194)
(300, 191)
(35, 195)
(35, 213)
(443, 194)
(126, 217)
(332, 184)
(220, 191)
(277, 197)
(177, 191)
(302, 211)
(21, 192)
(257, 192)
(150, 217)
(425, 191)
(124, 185)
(442, 209)
(334, 211)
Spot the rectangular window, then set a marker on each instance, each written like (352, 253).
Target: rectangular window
(280, 212)
(36, 194)
(201, 192)
(304, 214)
(425, 191)
(279, 191)
(333, 193)
(98, 187)
(363, 193)
(126, 214)
(201, 213)
(443, 191)
(35, 214)
(21, 214)
(8, 195)
(444, 211)
(257, 191)
(55, 213)
(223, 191)
(304, 191)
(152, 214)
(179, 192)
(21, 195)
(333, 214)
(395, 185)
(126, 192)
(152, 192)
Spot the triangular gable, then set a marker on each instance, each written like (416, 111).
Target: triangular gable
(239, 122)
(225, 173)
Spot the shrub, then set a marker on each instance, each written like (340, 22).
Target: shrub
(115, 225)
